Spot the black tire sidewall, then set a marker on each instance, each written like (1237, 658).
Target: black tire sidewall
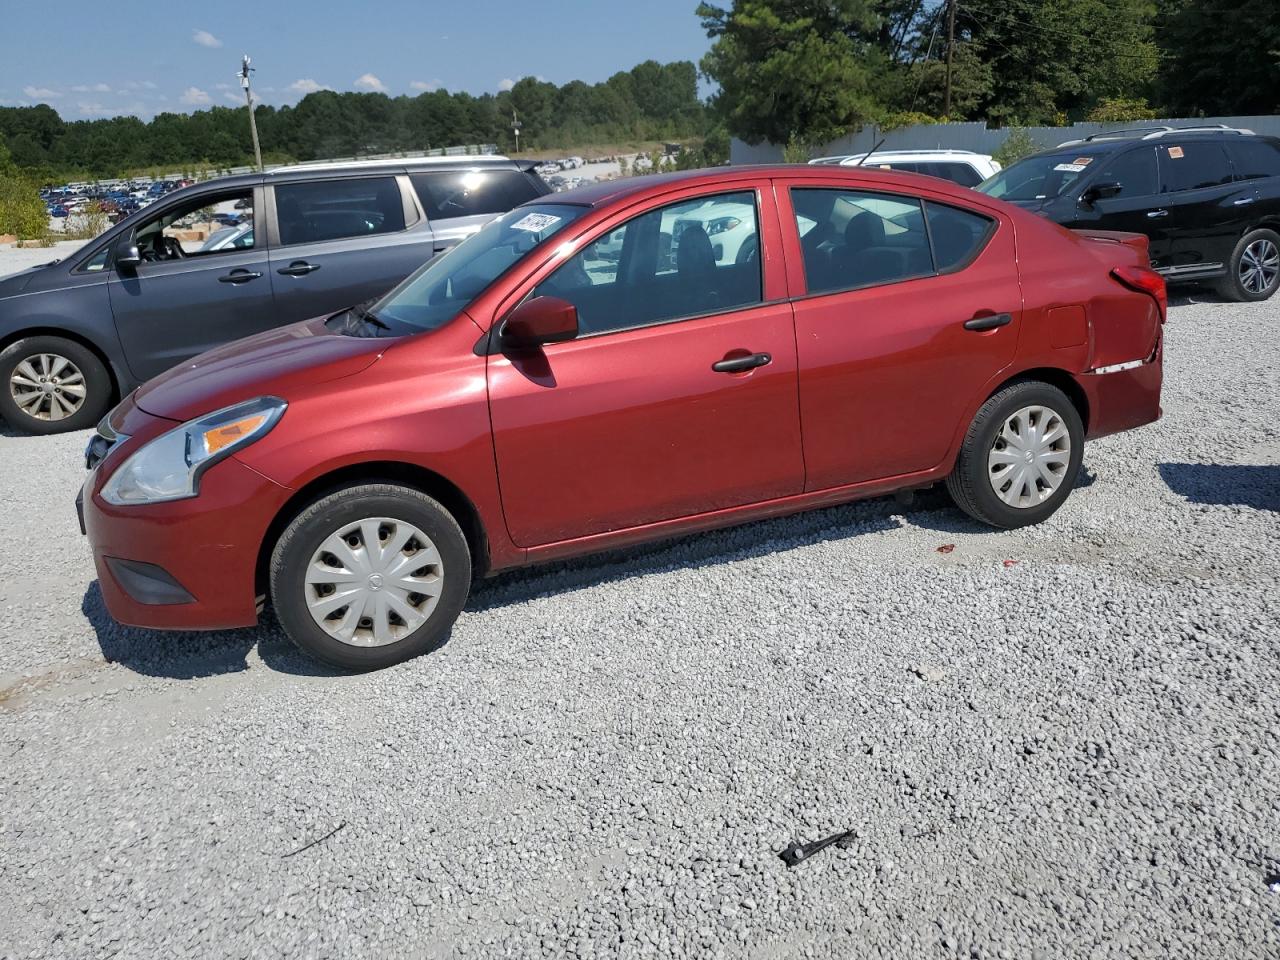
(97, 385)
(301, 539)
(978, 445)
(1231, 285)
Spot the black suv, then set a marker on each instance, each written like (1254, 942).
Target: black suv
(225, 259)
(1207, 197)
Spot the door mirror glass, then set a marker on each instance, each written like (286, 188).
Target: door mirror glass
(128, 256)
(538, 321)
(1102, 191)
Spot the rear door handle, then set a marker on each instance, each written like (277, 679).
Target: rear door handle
(739, 364)
(1153, 214)
(989, 322)
(1244, 201)
(239, 276)
(299, 268)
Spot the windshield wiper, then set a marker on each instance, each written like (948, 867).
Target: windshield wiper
(361, 312)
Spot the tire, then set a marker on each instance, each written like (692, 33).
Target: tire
(66, 367)
(446, 570)
(973, 482)
(1253, 273)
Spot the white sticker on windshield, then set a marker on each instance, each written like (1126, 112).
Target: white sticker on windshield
(535, 222)
(1070, 167)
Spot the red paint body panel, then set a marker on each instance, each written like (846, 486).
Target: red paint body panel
(629, 436)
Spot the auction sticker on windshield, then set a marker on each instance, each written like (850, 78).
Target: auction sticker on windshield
(535, 222)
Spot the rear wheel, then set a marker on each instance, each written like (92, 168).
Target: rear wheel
(1254, 271)
(370, 576)
(1020, 456)
(52, 385)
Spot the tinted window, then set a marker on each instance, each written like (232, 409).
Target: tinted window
(853, 239)
(957, 235)
(1189, 166)
(465, 193)
(683, 260)
(333, 209)
(1135, 171)
(961, 173)
(1255, 158)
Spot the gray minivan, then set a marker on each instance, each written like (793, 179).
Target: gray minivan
(152, 291)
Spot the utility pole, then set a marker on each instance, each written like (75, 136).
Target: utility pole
(951, 45)
(515, 128)
(245, 70)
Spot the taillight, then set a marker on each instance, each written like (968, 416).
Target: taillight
(1147, 281)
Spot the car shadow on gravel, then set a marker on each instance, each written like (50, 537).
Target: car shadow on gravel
(1217, 484)
(179, 655)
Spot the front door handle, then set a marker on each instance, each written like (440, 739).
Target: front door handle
(299, 268)
(1243, 201)
(989, 322)
(739, 364)
(239, 276)
(1154, 214)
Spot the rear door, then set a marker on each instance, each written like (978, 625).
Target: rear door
(340, 241)
(1209, 210)
(1137, 208)
(899, 327)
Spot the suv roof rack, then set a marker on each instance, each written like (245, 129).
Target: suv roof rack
(1156, 132)
(461, 159)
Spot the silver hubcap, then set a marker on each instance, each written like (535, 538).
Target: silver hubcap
(1259, 266)
(1029, 458)
(47, 387)
(374, 582)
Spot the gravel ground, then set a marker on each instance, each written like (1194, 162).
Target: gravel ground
(1055, 742)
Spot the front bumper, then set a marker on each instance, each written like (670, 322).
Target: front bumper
(185, 564)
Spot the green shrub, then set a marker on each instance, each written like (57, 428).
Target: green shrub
(22, 212)
(1017, 145)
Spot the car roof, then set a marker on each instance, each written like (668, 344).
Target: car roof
(940, 154)
(603, 192)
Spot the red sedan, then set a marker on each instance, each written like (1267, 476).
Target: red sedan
(629, 361)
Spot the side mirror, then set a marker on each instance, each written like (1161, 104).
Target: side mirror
(1101, 191)
(538, 321)
(127, 255)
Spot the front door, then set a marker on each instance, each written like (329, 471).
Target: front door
(679, 395)
(1137, 208)
(197, 286)
(901, 327)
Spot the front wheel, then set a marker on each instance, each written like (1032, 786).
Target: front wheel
(1020, 456)
(370, 576)
(1254, 271)
(52, 385)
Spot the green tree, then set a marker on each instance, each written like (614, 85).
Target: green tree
(1220, 57)
(22, 212)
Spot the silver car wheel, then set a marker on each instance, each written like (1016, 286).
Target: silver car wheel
(46, 386)
(1259, 266)
(374, 582)
(1029, 458)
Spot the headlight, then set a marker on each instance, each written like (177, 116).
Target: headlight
(722, 225)
(169, 467)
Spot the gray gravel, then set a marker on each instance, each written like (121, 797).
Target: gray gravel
(1071, 755)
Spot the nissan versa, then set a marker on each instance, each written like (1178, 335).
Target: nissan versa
(601, 369)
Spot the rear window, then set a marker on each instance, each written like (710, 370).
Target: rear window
(335, 209)
(468, 193)
(959, 173)
(1255, 158)
(957, 235)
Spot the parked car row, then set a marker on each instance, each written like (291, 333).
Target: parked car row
(118, 199)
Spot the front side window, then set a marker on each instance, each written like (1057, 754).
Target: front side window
(468, 193)
(184, 231)
(852, 238)
(682, 260)
(315, 210)
(1134, 171)
(1191, 166)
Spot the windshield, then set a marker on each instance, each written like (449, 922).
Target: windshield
(436, 293)
(1036, 178)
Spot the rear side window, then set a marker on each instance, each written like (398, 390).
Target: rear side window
(957, 235)
(960, 173)
(851, 238)
(319, 210)
(1255, 158)
(1191, 166)
(1135, 171)
(467, 193)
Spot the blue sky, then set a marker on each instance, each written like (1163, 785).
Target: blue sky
(94, 59)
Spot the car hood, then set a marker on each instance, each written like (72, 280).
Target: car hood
(14, 283)
(276, 363)
(1032, 205)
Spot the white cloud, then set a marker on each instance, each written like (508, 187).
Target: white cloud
(206, 39)
(90, 109)
(506, 83)
(234, 97)
(368, 81)
(427, 85)
(195, 97)
(91, 88)
(41, 93)
(223, 86)
(306, 85)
